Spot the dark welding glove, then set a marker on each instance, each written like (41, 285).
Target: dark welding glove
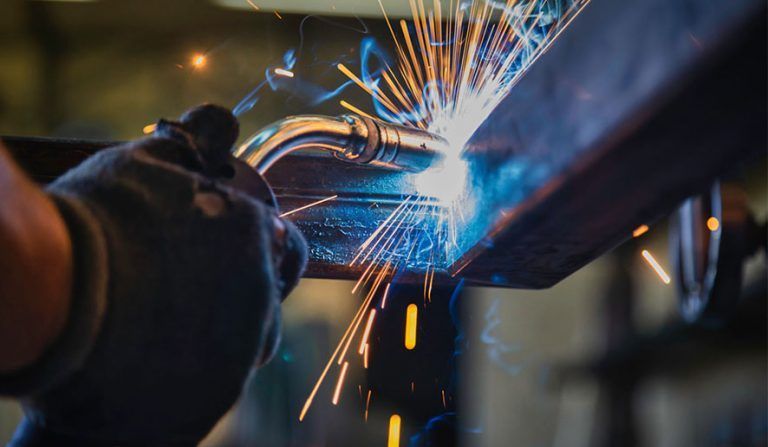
(177, 293)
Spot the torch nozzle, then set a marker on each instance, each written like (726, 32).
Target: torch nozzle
(351, 138)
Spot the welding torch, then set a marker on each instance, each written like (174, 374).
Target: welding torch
(351, 138)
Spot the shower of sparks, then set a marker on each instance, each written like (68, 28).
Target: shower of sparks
(310, 205)
(656, 266)
(394, 431)
(452, 68)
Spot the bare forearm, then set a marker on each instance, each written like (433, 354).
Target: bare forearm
(35, 269)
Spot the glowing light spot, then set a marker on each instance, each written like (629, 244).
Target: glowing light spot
(367, 332)
(149, 128)
(713, 224)
(365, 355)
(411, 316)
(639, 231)
(656, 266)
(278, 15)
(199, 61)
(284, 72)
(340, 383)
(444, 182)
(394, 431)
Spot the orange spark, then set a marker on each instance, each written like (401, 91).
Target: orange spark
(639, 231)
(384, 298)
(340, 383)
(149, 128)
(367, 405)
(354, 109)
(367, 331)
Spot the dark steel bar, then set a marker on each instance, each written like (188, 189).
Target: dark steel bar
(638, 105)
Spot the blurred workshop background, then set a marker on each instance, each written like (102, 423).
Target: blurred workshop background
(105, 69)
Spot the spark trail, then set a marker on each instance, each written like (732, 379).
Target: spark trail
(451, 70)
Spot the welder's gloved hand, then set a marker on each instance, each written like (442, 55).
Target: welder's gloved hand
(179, 280)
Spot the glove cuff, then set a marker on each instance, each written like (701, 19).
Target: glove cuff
(87, 306)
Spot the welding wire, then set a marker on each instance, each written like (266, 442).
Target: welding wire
(339, 384)
(367, 332)
(656, 266)
(302, 208)
(411, 315)
(367, 405)
(394, 431)
(384, 297)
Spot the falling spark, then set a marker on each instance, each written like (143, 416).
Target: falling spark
(365, 355)
(713, 224)
(302, 208)
(149, 128)
(354, 109)
(367, 332)
(278, 15)
(284, 72)
(340, 383)
(413, 387)
(253, 5)
(442, 394)
(367, 405)
(639, 231)
(384, 298)
(656, 266)
(394, 431)
(199, 61)
(411, 314)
